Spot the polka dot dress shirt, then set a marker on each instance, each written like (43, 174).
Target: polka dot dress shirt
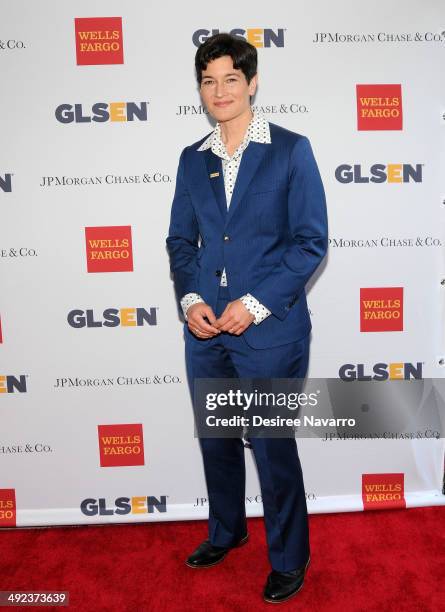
(257, 131)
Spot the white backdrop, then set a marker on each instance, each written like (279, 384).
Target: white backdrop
(56, 179)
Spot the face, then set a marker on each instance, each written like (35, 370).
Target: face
(224, 89)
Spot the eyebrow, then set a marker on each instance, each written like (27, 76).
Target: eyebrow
(208, 76)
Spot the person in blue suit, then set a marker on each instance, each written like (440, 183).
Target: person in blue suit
(248, 228)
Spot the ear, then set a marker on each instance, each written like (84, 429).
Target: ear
(253, 85)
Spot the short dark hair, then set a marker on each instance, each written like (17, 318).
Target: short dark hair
(243, 54)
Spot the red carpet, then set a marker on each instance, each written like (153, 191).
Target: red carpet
(388, 560)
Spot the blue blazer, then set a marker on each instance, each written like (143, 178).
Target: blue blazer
(270, 241)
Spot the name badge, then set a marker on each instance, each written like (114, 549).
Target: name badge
(214, 174)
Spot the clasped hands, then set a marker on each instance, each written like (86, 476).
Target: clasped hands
(235, 319)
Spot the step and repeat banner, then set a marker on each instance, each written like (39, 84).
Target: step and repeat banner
(98, 99)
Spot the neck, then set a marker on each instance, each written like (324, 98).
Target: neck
(233, 130)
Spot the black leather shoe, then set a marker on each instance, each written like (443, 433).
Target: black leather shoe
(207, 555)
(281, 586)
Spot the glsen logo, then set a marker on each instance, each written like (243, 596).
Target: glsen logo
(113, 317)
(121, 445)
(258, 37)
(102, 112)
(6, 183)
(383, 491)
(124, 505)
(381, 309)
(109, 249)
(379, 107)
(7, 508)
(381, 371)
(11, 384)
(99, 40)
(380, 173)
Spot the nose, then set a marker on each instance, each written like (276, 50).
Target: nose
(219, 91)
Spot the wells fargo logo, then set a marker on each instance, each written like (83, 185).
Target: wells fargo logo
(7, 508)
(258, 37)
(99, 40)
(124, 505)
(102, 112)
(11, 384)
(121, 445)
(383, 491)
(113, 317)
(381, 309)
(379, 173)
(382, 371)
(379, 107)
(109, 249)
(6, 183)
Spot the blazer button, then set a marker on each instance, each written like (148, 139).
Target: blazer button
(226, 238)
(218, 273)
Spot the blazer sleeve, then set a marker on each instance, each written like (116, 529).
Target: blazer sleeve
(308, 227)
(183, 234)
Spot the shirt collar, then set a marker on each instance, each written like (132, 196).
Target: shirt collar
(257, 131)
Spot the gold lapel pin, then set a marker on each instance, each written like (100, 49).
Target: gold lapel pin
(214, 174)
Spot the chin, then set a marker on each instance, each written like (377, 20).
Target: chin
(225, 114)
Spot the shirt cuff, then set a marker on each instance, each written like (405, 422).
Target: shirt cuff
(259, 311)
(188, 300)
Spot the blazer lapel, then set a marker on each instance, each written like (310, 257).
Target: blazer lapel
(216, 178)
(250, 161)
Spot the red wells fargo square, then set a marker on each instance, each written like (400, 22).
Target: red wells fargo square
(381, 309)
(121, 445)
(379, 107)
(381, 491)
(109, 249)
(99, 40)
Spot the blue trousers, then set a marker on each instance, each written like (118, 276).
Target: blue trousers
(277, 460)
